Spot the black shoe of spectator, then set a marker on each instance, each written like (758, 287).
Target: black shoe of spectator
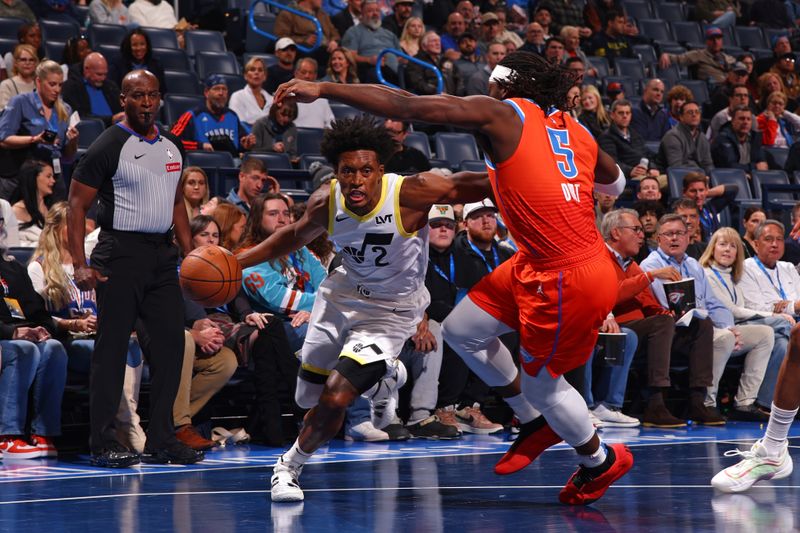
(114, 455)
(397, 432)
(432, 428)
(175, 452)
(705, 415)
(749, 413)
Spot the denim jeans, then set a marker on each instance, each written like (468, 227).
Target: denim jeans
(80, 354)
(42, 365)
(296, 336)
(782, 329)
(613, 379)
(726, 19)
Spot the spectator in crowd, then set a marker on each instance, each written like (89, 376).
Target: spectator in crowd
(75, 51)
(566, 13)
(534, 39)
(711, 63)
(613, 42)
(469, 61)
(752, 219)
(785, 68)
(649, 189)
(572, 49)
(317, 114)
(22, 74)
(136, 52)
(478, 83)
(231, 221)
(285, 286)
(406, 160)
(303, 31)
(748, 60)
(108, 12)
(471, 15)
(453, 30)
(721, 94)
(396, 22)
(614, 91)
(780, 45)
(604, 203)
(213, 126)
(673, 240)
(791, 252)
(676, 97)
(348, 17)
(593, 113)
(737, 145)
(651, 327)
(489, 31)
(686, 208)
(58, 10)
(411, 37)
(769, 83)
(740, 96)
(252, 102)
(253, 181)
(283, 70)
(650, 211)
(194, 187)
(17, 9)
(554, 50)
(277, 132)
(721, 13)
(544, 18)
(724, 265)
(685, 145)
(650, 119)
(792, 164)
(94, 95)
(576, 65)
(421, 80)
(207, 363)
(33, 365)
(778, 127)
(28, 33)
(367, 40)
(153, 14)
(24, 135)
(625, 145)
(505, 35)
(36, 181)
(770, 14)
(341, 67)
(574, 102)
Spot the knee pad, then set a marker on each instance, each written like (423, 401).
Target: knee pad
(307, 394)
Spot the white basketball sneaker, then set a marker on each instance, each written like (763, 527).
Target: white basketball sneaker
(285, 487)
(755, 466)
(383, 395)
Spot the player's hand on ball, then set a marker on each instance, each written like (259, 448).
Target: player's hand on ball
(86, 278)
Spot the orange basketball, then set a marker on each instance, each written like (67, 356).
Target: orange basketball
(211, 276)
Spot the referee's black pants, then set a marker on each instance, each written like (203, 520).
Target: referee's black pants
(142, 284)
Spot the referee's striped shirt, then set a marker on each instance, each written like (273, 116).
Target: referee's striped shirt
(136, 179)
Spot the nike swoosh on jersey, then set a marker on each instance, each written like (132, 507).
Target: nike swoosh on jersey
(339, 218)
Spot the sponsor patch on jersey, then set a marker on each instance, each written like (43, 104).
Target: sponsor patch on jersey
(173, 167)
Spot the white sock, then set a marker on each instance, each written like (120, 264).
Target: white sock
(295, 457)
(524, 410)
(595, 459)
(780, 420)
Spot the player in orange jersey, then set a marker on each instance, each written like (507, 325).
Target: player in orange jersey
(543, 167)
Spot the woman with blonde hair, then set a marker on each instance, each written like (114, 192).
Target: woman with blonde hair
(341, 67)
(75, 315)
(252, 102)
(194, 188)
(779, 127)
(411, 38)
(768, 83)
(23, 70)
(231, 221)
(40, 125)
(593, 114)
(763, 336)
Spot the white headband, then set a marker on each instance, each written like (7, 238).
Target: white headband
(500, 73)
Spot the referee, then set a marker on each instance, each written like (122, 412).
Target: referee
(134, 170)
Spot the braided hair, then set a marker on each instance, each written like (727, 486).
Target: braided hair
(536, 78)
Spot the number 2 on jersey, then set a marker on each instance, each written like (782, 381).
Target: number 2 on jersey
(559, 142)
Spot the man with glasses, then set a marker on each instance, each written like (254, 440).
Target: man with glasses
(739, 96)
(685, 145)
(406, 159)
(722, 92)
(711, 63)
(698, 338)
(687, 209)
(738, 145)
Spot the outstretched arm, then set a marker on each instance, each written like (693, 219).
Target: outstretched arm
(294, 236)
(424, 190)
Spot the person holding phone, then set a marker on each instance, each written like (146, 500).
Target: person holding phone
(37, 125)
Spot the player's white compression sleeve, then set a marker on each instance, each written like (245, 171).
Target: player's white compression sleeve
(613, 189)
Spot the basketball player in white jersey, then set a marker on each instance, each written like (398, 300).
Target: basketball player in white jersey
(367, 308)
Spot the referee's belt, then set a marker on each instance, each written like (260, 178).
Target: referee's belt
(167, 236)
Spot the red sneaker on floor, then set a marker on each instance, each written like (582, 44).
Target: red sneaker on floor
(533, 439)
(45, 445)
(583, 488)
(14, 448)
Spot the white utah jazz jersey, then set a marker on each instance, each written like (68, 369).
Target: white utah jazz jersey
(378, 256)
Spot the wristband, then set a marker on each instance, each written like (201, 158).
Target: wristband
(612, 189)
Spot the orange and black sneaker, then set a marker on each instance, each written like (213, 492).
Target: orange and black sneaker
(587, 485)
(534, 438)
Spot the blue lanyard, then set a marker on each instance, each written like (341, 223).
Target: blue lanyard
(707, 220)
(722, 280)
(452, 278)
(480, 254)
(785, 132)
(779, 288)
